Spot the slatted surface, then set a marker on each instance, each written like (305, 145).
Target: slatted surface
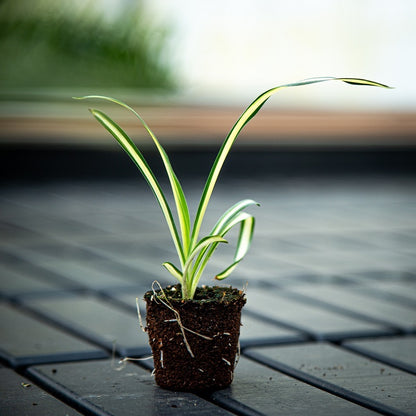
(329, 327)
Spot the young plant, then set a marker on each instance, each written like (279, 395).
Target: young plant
(194, 252)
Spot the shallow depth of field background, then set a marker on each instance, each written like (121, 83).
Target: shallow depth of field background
(217, 53)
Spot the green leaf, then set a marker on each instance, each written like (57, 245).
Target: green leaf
(178, 194)
(231, 213)
(130, 148)
(359, 81)
(244, 240)
(189, 278)
(246, 116)
(173, 271)
(194, 254)
(223, 225)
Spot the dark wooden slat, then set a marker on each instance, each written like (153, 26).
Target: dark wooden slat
(312, 319)
(399, 352)
(272, 393)
(351, 299)
(95, 320)
(19, 396)
(372, 384)
(26, 341)
(98, 387)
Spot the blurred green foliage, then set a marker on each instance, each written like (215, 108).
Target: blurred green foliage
(67, 43)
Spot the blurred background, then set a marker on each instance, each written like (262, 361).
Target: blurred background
(192, 68)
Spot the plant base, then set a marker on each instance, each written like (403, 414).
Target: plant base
(198, 350)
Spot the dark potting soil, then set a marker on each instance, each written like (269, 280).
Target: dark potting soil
(202, 294)
(194, 342)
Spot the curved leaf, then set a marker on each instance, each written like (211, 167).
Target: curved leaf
(220, 229)
(130, 148)
(230, 213)
(246, 116)
(188, 277)
(178, 194)
(173, 271)
(244, 240)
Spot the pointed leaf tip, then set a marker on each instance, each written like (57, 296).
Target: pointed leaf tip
(362, 81)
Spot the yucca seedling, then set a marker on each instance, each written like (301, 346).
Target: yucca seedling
(194, 252)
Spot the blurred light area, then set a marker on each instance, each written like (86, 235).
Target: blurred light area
(191, 68)
(216, 52)
(232, 50)
(48, 44)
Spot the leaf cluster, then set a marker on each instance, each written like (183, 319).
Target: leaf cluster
(194, 251)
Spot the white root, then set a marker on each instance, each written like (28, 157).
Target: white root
(226, 361)
(123, 362)
(237, 357)
(136, 359)
(140, 316)
(169, 306)
(164, 300)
